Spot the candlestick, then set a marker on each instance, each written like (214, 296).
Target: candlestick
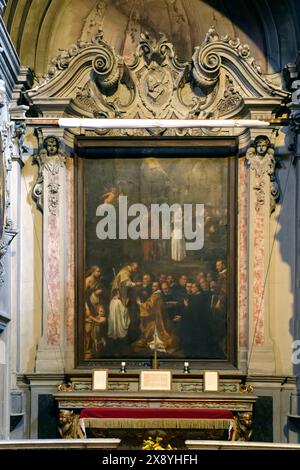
(186, 368)
(155, 361)
(123, 367)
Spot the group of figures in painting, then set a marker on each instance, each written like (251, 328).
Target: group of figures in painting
(184, 317)
(155, 292)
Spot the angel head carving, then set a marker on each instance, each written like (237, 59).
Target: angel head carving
(262, 145)
(51, 145)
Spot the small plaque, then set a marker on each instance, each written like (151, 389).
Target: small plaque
(100, 378)
(211, 381)
(155, 380)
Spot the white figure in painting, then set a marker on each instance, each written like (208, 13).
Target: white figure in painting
(118, 319)
(178, 252)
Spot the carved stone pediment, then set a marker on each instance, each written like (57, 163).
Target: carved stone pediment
(91, 80)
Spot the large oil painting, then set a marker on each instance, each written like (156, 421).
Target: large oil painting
(153, 257)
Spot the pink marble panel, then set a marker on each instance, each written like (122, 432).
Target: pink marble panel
(70, 253)
(258, 273)
(243, 251)
(53, 282)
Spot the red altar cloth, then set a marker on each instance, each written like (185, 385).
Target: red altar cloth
(155, 413)
(154, 418)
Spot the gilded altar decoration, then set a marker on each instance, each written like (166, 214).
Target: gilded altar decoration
(246, 388)
(69, 426)
(157, 443)
(242, 430)
(69, 387)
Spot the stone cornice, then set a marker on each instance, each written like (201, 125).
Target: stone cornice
(4, 320)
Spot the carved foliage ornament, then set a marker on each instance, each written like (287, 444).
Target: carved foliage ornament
(260, 159)
(49, 159)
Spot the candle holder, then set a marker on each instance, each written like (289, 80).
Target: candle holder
(186, 368)
(123, 367)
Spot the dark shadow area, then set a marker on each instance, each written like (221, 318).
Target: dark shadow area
(273, 25)
(263, 420)
(47, 417)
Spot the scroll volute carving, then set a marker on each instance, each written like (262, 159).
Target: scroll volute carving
(154, 83)
(206, 62)
(218, 52)
(107, 66)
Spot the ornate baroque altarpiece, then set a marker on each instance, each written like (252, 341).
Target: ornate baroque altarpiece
(222, 80)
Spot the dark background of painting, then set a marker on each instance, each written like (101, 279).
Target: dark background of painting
(183, 180)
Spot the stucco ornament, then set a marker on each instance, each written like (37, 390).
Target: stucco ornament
(261, 160)
(49, 159)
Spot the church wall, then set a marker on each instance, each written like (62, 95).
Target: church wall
(282, 270)
(30, 283)
(9, 67)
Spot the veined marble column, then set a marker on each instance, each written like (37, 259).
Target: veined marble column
(50, 195)
(263, 193)
(243, 274)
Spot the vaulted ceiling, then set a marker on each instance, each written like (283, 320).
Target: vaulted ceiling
(39, 28)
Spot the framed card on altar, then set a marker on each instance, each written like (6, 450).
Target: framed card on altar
(100, 379)
(152, 380)
(211, 381)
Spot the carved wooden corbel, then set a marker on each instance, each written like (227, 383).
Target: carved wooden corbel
(260, 159)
